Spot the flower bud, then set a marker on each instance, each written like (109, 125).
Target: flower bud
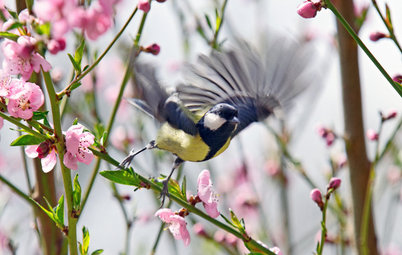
(54, 46)
(154, 49)
(334, 183)
(43, 149)
(144, 5)
(316, 196)
(377, 36)
(307, 9)
(161, 1)
(200, 230)
(372, 135)
(397, 78)
(390, 115)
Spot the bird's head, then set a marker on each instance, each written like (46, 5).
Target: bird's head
(218, 123)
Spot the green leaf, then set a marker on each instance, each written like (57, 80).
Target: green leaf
(9, 35)
(184, 187)
(388, 17)
(15, 25)
(99, 130)
(122, 177)
(59, 211)
(75, 85)
(218, 20)
(43, 29)
(49, 213)
(235, 220)
(79, 52)
(12, 13)
(99, 251)
(208, 22)
(76, 193)
(85, 240)
(75, 64)
(26, 139)
(41, 116)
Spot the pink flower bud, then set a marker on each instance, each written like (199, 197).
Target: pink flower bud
(372, 135)
(144, 5)
(54, 46)
(397, 78)
(316, 196)
(334, 183)
(377, 36)
(161, 1)
(390, 115)
(199, 230)
(307, 9)
(154, 49)
(43, 149)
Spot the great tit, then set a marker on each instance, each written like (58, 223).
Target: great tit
(223, 94)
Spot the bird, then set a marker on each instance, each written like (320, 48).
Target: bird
(222, 94)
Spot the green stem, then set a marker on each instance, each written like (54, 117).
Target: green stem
(22, 126)
(352, 33)
(72, 221)
(158, 188)
(320, 247)
(126, 78)
(17, 191)
(389, 28)
(214, 42)
(89, 69)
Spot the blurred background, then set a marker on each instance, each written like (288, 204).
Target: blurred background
(248, 177)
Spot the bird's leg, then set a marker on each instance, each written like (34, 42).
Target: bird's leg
(165, 188)
(127, 161)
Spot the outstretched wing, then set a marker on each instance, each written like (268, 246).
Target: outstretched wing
(152, 98)
(255, 84)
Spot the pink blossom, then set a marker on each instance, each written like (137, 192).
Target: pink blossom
(77, 143)
(372, 135)
(144, 5)
(121, 137)
(20, 57)
(207, 194)
(96, 23)
(24, 99)
(272, 167)
(199, 229)
(307, 9)
(397, 78)
(107, 6)
(394, 174)
(327, 134)
(334, 183)
(48, 162)
(5, 85)
(177, 224)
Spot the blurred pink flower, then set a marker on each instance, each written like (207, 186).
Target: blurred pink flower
(327, 134)
(144, 5)
(307, 9)
(96, 23)
(77, 143)
(56, 45)
(272, 167)
(20, 57)
(107, 6)
(375, 36)
(392, 250)
(372, 135)
(177, 224)
(48, 162)
(316, 196)
(394, 174)
(121, 138)
(207, 194)
(334, 183)
(154, 49)
(24, 99)
(199, 229)
(1, 122)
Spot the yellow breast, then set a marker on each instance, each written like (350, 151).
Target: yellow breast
(185, 146)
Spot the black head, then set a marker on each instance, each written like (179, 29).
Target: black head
(219, 116)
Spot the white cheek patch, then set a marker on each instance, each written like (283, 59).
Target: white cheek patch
(213, 121)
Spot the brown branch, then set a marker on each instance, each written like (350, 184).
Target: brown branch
(359, 165)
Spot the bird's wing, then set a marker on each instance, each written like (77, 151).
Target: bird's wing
(152, 98)
(255, 84)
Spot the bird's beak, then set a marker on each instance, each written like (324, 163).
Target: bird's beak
(235, 121)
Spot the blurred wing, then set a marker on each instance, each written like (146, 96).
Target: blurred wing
(153, 99)
(255, 85)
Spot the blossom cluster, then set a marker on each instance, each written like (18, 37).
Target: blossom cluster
(77, 141)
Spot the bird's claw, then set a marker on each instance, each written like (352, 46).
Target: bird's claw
(164, 192)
